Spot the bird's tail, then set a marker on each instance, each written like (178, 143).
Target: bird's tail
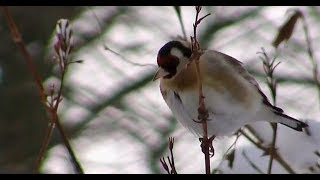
(290, 121)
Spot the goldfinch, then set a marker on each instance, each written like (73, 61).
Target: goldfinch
(233, 97)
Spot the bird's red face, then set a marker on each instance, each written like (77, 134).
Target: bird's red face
(169, 64)
(169, 58)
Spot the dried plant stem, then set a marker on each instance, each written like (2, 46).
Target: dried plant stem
(202, 111)
(52, 111)
(269, 67)
(77, 167)
(170, 159)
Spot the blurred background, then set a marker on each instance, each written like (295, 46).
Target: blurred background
(114, 113)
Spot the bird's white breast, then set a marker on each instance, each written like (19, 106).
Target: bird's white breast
(226, 114)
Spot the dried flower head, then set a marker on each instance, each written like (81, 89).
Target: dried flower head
(63, 44)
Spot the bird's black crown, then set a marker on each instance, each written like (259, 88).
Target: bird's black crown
(165, 50)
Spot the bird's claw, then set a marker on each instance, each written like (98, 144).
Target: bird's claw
(197, 121)
(207, 142)
(200, 121)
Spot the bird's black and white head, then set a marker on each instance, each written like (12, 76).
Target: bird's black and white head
(172, 58)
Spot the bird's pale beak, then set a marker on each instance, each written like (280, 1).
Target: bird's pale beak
(160, 73)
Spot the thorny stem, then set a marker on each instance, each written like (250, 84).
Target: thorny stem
(202, 111)
(51, 110)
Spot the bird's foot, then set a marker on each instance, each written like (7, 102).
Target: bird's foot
(200, 121)
(203, 113)
(206, 144)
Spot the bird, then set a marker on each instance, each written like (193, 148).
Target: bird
(232, 96)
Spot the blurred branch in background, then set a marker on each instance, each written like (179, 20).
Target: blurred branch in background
(27, 121)
(116, 116)
(63, 48)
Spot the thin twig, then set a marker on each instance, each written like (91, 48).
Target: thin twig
(112, 51)
(127, 60)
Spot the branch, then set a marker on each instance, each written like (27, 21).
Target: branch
(206, 143)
